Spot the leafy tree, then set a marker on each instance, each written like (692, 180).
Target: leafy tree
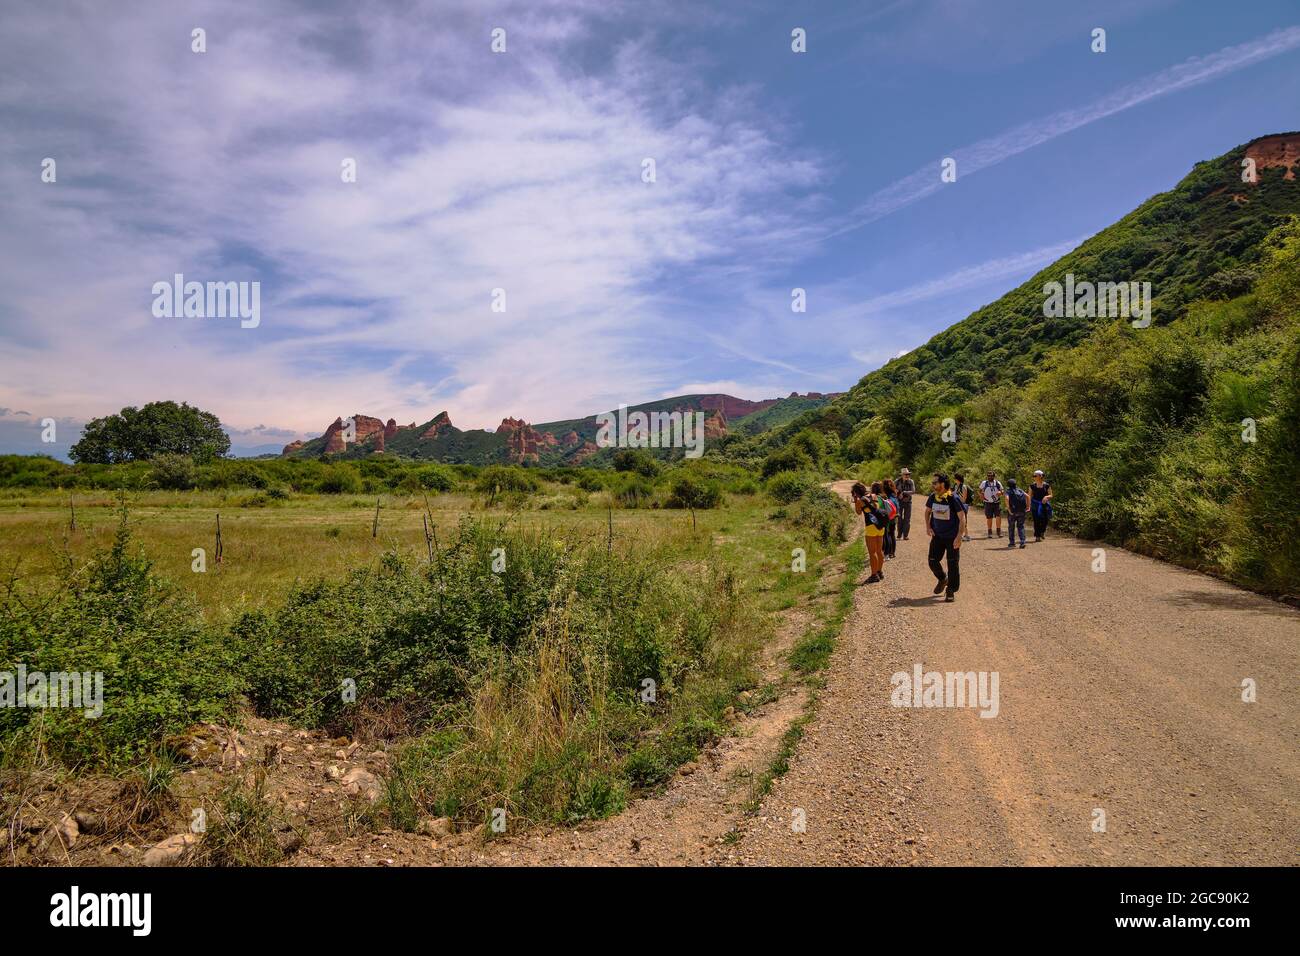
(902, 415)
(159, 428)
(634, 459)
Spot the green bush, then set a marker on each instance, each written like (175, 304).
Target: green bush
(502, 479)
(173, 472)
(688, 492)
(162, 668)
(634, 491)
(339, 479)
(788, 486)
(637, 460)
(824, 513)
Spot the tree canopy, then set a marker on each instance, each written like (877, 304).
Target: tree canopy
(158, 428)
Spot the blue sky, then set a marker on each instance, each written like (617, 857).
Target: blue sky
(522, 171)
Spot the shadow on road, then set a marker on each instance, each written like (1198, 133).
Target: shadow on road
(926, 601)
(1231, 601)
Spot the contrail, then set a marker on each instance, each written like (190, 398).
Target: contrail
(988, 152)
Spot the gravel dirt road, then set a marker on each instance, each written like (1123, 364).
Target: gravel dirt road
(1120, 693)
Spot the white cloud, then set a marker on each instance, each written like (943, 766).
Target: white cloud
(475, 172)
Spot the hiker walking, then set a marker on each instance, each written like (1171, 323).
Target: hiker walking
(991, 492)
(906, 487)
(1017, 506)
(1040, 494)
(891, 530)
(945, 523)
(963, 494)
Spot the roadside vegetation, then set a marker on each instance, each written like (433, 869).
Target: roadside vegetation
(550, 647)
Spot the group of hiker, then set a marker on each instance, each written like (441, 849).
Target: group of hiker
(886, 508)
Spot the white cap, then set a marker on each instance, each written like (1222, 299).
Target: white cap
(1039, 472)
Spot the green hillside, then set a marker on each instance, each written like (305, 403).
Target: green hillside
(1140, 429)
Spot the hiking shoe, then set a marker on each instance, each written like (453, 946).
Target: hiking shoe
(941, 585)
(1022, 544)
(873, 579)
(948, 598)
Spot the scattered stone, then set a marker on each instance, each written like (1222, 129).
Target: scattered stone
(332, 772)
(171, 850)
(435, 826)
(362, 783)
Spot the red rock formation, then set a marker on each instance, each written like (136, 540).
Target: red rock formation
(715, 426)
(443, 420)
(390, 429)
(1282, 150)
(292, 447)
(366, 428)
(522, 440)
(588, 449)
(570, 439)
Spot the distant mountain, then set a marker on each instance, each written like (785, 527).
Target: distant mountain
(569, 442)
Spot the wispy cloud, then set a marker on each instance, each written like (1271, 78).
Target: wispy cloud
(476, 171)
(989, 152)
(970, 277)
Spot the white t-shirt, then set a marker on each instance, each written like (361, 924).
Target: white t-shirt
(992, 490)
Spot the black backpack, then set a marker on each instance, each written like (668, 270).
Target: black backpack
(1016, 500)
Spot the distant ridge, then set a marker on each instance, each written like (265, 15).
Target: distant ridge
(515, 441)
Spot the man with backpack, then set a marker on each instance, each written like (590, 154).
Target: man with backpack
(964, 496)
(945, 523)
(1017, 506)
(906, 487)
(991, 492)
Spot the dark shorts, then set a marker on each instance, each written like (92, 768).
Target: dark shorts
(992, 509)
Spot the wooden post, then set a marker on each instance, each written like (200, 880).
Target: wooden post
(72, 506)
(428, 539)
(374, 528)
(218, 537)
(609, 546)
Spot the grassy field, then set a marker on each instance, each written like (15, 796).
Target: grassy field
(519, 686)
(271, 548)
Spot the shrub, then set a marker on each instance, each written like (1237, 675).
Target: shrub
(523, 683)
(435, 478)
(163, 669)
(789, 458)
(496, 479)
(788, 486)
(173, 472)
(339, 479)
(688, 492)
(635, 492)
(637, 460)
(824, 513)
